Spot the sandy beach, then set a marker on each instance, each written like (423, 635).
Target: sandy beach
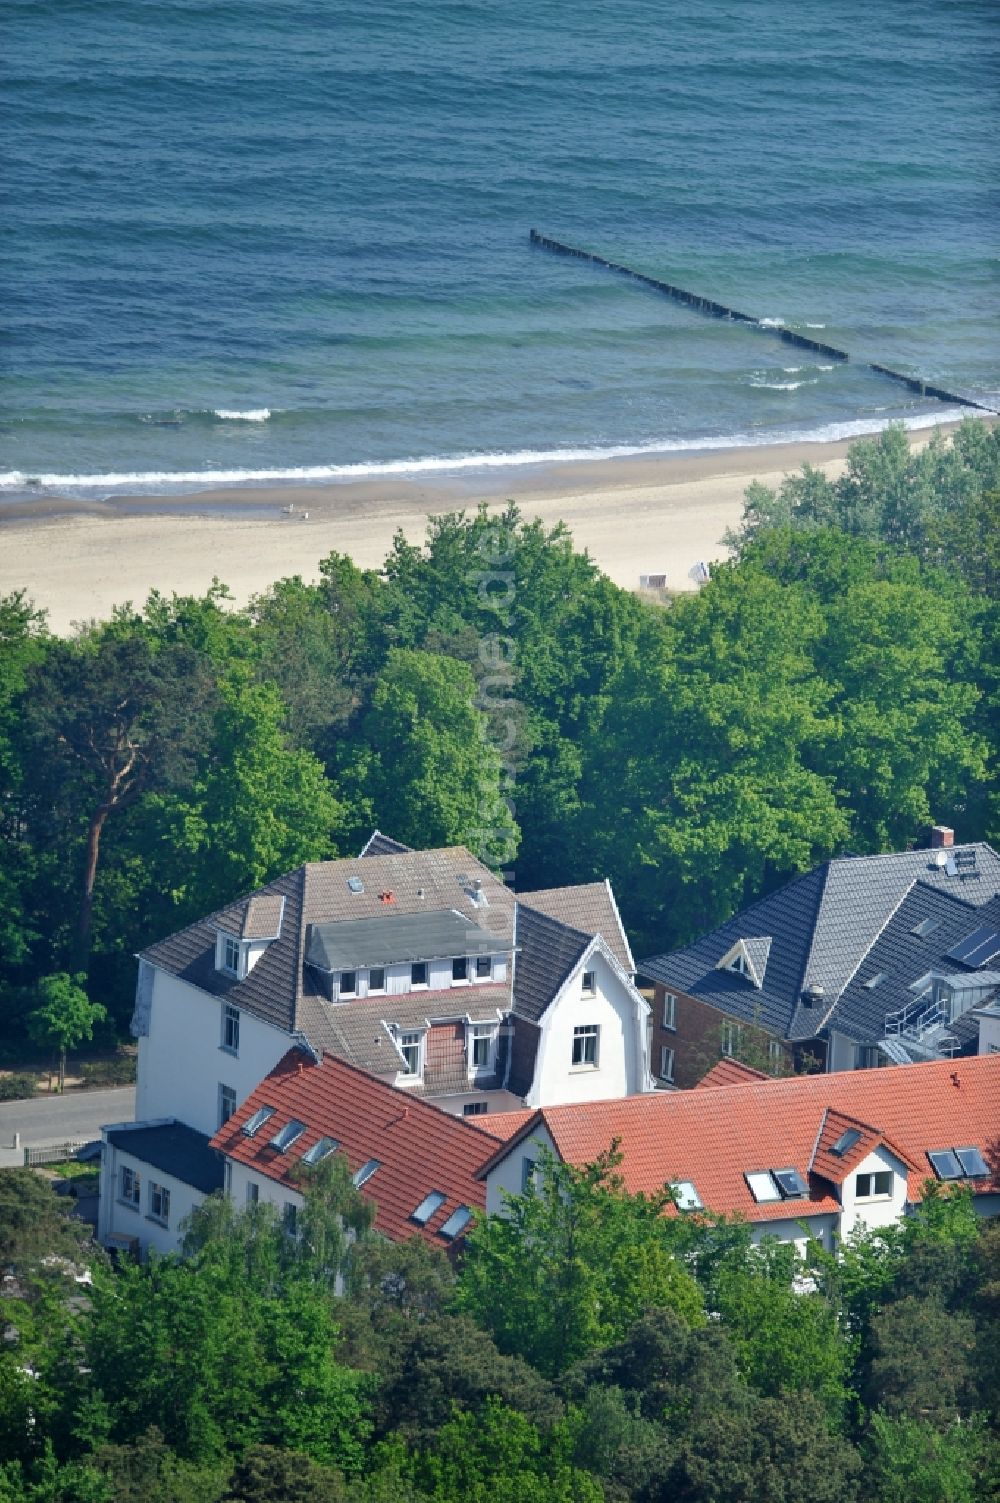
(646, 515)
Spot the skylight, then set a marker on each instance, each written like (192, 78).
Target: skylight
(456, 1223)
(845, 1142)
(762, 1186)
(253, 1124)
(972, 1162)
(355, 884)
(945, 1164)
(688, 1198)
(874, 981)
(925, 927)
(425, 1210)
(790, 1183)
(319, 1151)
(364, 1174)
(289, 1134)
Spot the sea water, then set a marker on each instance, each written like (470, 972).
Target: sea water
(264, 239)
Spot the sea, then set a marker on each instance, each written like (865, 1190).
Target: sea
(249, 241)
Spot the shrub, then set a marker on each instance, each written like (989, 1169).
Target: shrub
(17, 1087)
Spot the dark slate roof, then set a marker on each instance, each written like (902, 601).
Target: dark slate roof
(393, 937)
(901, 957)
(361, 1030)
(589, 907)
(822, 926)
(378, 844)
(547, 953)
(174, 1149)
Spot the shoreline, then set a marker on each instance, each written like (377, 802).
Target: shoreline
(641, 514)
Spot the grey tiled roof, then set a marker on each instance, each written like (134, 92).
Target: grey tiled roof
(901, 957)
(378, 844)
(263, 916)
(361, 1030)
(822, 926)
(547, 953)
(174, 1149)
(589, 907)
(435, 934)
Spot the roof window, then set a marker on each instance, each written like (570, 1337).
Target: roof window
(776, 1184)
(289, 1134)
(253, 1125)
(425, 1210)
(364, 1174)
(874, 981)
(688, 1198)
(456, 1223)
(762, 1186)
(355, 884)
(958, 1163)
(925, 927)
(845, 1142)
(790, 1183)
(319, 1151)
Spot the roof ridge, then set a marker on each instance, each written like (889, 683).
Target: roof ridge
(742, 913)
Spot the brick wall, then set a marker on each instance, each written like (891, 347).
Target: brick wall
(696, 1038)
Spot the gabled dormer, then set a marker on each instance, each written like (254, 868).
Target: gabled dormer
(748, 957)
(240, 940)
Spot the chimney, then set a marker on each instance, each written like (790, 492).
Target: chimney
(941, 835)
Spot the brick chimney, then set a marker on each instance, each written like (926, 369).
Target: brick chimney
(941, 835)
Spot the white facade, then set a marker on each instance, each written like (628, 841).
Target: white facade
(868, 1199)
(989, 1028)
(508, 1177)
(183, 1063)
(597, 996)
(398, 980)
(151, 1222)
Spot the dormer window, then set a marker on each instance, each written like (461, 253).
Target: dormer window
(418, 973)
(482, 1046)
(460, 970)
(231, 956)
(411, 1047)
(348, 983)
(484, 967)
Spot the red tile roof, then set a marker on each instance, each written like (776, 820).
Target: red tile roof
(714, 1137)
(420, 1147)
(505, 1124)
(730, 1072)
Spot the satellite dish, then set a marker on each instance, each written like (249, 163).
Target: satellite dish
(940, 859)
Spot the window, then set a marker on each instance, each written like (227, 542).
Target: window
(227, 1103)
(411, 1047)
(666, 1063)
(972, 1162)
(227, 1177)
(484, 967)
(290, 1217)
(775, 1053)
(688, 1198)
(289, 1134)
(348, 984)
(731, 1039)
(871, 1186)
(230, 1029)
(231, 955)
(159, 1203)
(527, 1173)
(790, 1183)
(460, 969)
(762, 1186)
(418, 973)
(129, 1187)
(874, 981)
(364, 1174)
(482, 1047)
(376, 979)
(456, 1223)
(425, 1210)
(846, 1142)
(669, 1011)
(958, 1163)
(585, 1041)
(589, 984)
(474, 1109)
(355, 885)
(253, 1124)
(319, 1151)
(253, 1193)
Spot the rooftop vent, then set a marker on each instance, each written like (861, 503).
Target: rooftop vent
(355, 884)
(387, 897)
(812, 995)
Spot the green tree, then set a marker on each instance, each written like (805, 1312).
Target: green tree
(65, 1016)
(572, 1263)
(425, 768)
(916, 1462)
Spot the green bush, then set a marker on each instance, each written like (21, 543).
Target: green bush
(17, 1087)
(110, 1072)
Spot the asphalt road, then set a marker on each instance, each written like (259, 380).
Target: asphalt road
(57, 1119)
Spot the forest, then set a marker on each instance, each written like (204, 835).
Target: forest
(832, 688)
(591, 1345)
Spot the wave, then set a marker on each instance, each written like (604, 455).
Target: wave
(771, 323)
(791, 370)
(781, 385)
(815, 326)
(251, 415)
(157, 480)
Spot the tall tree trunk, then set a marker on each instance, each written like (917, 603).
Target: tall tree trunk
(62, 1071)
(90, 877)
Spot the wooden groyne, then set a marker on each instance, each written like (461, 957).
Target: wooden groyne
(720, 310)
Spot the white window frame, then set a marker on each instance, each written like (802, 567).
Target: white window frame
(775, 1051)
(413, 1038)
(230, 1042)
(669, 1018)
(732, 1037)
(465, 963)
(159, 1204)
(582, 1036)
(227, 1177)
(343, 990)
(482, 1033)
(378, 970)
(588, 984)
(129, 1187)
(253, 1192)
(475, 1109)
(484, 967)
(871, 1178)
(225, 1092)
(666, 1063)
(231, 955)
(415, 985)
